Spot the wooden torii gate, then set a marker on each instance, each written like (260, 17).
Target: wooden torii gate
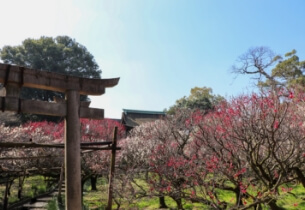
(14, 78)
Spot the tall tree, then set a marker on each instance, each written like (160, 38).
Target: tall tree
(61, 54)
(271, 70)
(289, 71)
(199, 98)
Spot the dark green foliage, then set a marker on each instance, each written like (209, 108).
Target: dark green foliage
(290, 70)
(61, 54)
(287, 72)
(199, 98)
(270, 70)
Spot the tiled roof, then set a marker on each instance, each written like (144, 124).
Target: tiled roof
(143, 112)
(132, 118)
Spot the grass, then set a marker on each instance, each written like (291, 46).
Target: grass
(33, 185)
(97, 200)
(52, 205)
(294, 199)
(288, 200)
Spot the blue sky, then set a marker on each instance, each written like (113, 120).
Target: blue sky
(161, 48)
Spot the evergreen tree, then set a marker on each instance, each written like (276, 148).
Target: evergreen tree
(61, 54)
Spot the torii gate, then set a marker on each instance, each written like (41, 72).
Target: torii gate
(14, 78)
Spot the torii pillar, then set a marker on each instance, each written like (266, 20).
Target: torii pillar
(15, 77)
(72, 151)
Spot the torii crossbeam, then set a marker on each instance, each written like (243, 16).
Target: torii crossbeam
(14, 78)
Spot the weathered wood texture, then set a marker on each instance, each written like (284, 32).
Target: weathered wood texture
(72, 152)
(45, 108)
(28, 171)
(45, 80)
(112, 167)
(28, 157)
(83, 146)
(15, 77)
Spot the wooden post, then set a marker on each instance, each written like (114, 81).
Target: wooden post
(12, 90)
(61, 177)
(112, 166)
(72, 152)
(5, 199)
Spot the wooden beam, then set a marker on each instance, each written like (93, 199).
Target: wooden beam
(61, 146)
(96, 143)
(29, 157)
(47, 80)
(29, 145)
(92, 113)
(31, 170)
(86, 150)
(45, 108)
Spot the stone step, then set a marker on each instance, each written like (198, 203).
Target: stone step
(36, 205)
(55, 193)
(41, 203)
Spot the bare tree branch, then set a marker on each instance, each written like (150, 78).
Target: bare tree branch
(257, 61)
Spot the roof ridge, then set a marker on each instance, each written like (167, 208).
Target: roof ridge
(143, 111)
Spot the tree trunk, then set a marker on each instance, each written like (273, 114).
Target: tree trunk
(82, 188)
(238, 197)
(7, 193)
(5, 198)
(274, 206)
(20, 186)
(300, 175)
(162, 203)
(93, 182)
(179, 203)
(258, 207)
